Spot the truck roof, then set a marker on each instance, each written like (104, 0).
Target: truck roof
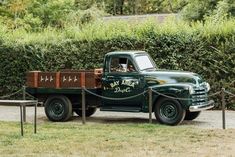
(131, 52)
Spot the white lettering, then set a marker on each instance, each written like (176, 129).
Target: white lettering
(46, 79)
(119, 90)
(75, 79)
(51, 78)
(70, 79)
(64, 79)
(42, 79)
(114, 84)
(130, 83)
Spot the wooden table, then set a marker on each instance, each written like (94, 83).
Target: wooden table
(21, 104)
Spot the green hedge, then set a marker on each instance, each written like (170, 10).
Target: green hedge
(211, 54)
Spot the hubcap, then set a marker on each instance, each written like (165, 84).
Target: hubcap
(56, 108)
(168, 110)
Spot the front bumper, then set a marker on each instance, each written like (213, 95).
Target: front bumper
(205, 106)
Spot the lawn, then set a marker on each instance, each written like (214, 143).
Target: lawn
(75, 139)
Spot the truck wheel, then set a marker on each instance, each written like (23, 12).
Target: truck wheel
(58, 108)
(89, 112)
(169, 111)
(191, 115)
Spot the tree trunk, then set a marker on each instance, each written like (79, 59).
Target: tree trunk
(114, 7)
(121, 6)
(169, 1)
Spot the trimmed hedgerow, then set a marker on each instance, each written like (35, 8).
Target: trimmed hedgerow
(207, 49)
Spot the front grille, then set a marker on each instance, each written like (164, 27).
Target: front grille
(200, 96)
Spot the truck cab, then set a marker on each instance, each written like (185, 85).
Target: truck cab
(122, 86)
(177, 95)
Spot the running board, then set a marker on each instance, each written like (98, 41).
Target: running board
(121, 109)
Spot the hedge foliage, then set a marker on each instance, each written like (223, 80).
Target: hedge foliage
(204, 48)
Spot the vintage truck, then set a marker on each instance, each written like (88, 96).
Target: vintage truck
(176, 96)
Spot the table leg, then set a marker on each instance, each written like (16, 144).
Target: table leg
(35, 118)
(21, 121)
(24, 107)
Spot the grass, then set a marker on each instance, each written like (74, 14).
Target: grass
(75, 139)
(109, 30)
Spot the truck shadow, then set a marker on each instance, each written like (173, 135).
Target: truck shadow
(134, 120)
(118, 120)
(195, 123)
(126, 120)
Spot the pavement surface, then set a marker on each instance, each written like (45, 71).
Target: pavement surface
(207, 119)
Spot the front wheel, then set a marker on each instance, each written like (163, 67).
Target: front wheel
(58, 108)
(169, 111)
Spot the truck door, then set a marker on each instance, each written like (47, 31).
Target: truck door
(121, 81)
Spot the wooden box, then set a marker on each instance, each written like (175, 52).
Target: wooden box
(32, 79)
(90, 81)
(65, 79)
(92, 78)
(48, 79)
(70, 79)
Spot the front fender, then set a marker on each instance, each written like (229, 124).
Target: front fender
(179, 91)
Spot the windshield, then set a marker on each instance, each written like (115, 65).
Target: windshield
(144, 62)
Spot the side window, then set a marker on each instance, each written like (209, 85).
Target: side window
(121, 65)
(130, 67)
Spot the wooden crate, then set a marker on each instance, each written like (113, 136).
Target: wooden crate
(70, 79)
(90, 81)
(98, 73)
(93, 78)
(65, 79)
(48, 79)
(32, 79)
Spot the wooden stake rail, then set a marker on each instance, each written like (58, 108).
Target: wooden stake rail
(65, 79)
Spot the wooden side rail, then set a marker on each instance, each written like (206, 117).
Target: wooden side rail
(65, 79)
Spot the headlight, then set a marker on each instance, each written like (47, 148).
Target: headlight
(191, 90)
(208, 87)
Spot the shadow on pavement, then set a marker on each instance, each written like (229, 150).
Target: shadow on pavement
(125, 120)
(122, 120)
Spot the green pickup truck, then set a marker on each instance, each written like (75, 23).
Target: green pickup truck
(176, 95)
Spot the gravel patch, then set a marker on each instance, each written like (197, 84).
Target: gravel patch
(207, 119)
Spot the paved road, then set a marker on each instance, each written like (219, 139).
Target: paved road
(140, 18)
(208, 119)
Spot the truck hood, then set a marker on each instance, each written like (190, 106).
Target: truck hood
(172, 77)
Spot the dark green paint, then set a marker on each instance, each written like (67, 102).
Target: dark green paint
(172, 83)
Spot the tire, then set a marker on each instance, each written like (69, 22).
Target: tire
(191, 115)
(58, 108)
(169, 111)
(89, 112)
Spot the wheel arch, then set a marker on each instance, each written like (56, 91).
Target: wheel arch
(175, 92)
(159, 97)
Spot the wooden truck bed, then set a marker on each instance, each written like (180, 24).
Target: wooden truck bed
(64, 79)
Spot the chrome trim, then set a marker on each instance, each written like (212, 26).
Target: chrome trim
(204, 106)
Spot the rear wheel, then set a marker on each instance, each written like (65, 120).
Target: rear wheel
(58, 108)
(169, 111)
(89, 112)
(191, 115)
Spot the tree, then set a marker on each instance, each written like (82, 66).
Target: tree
(14, 10)
(199, 9)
